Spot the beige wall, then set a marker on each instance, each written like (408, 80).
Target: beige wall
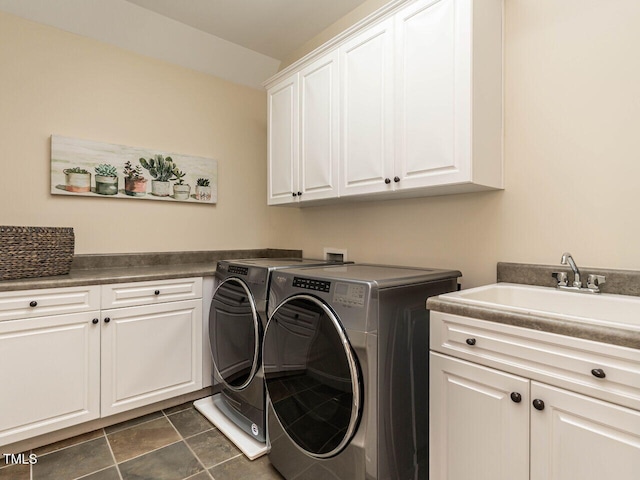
(572, 161)
(53, 82)
(572, 172)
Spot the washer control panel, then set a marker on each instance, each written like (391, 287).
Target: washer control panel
(349, 294)
(311, 284)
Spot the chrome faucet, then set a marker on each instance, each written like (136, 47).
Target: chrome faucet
(568, 259)
(593, 282)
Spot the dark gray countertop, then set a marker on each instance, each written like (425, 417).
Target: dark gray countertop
(622, 282)
(102, 269)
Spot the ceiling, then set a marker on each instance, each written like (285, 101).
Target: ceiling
(275, 28)
(243, 41)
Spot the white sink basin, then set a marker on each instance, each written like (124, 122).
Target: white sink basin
(620, 311)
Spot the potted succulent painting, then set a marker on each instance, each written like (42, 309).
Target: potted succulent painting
(181, 190)
(106, 179)
(203, 189)
(135, 185)
(77, 180)
(161, 169)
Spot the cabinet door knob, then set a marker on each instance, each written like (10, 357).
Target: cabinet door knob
(471, 341)
(598, 372)
(396, 179)
(516, 397)
(94, 321)
(538, 404)
(299, 194)
(107, 320)
(294, 194)
(387, 181)
(157, 292)
(33, 303)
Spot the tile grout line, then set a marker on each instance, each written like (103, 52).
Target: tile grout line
(104, 433)
(115, 462)
(132, 426)
(188, 446)
(72, 445)
(97, 471)
(228, 459)
(146, 453)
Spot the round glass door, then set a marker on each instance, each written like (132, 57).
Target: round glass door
(234, 333)
(312, 376)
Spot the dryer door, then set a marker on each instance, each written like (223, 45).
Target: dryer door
(234, 333)
(312, 376)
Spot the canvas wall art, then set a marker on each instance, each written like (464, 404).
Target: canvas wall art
(87, 168)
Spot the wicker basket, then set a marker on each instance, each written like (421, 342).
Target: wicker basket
(27, 252)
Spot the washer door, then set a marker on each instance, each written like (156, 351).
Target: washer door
(312, 376)
(234, 333)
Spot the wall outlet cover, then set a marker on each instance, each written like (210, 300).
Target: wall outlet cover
(335, 254)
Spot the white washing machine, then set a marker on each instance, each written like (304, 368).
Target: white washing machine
(346, 367)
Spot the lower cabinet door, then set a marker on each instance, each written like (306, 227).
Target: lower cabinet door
(150, 353)
(574, 437)
(49, 374)
(479, 422)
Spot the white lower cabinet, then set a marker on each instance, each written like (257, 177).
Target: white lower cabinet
(477, 430)
(49, 374)
(149, 354)
(500, 422)
(84, 363)
(580, 438)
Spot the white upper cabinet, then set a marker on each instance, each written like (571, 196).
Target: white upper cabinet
(420, 93)
(319, 129)
(432, 95)
(303, 134)
(283, 141)
(367, 106)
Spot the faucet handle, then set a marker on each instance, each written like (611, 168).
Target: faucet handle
(561, 277)
(594, 281)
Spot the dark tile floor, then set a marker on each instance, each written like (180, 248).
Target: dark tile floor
(174, 444)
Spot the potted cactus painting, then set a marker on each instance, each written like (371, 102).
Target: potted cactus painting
(161, 169)
(181, 190)
(203, 190)
(135, 185)
(106, 179)
(77, 180)
(126, 172)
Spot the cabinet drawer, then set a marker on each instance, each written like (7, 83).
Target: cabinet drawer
(150, 293)
(566, 362)
(50, 301)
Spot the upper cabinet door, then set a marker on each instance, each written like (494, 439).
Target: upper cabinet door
(367, 106)
(433, 85)
(283, 141)
(319, 128)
